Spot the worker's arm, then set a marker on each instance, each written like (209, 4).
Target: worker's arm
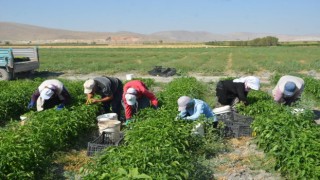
(66, 96)
(298, 93)
(197, 113)
(105, 99)
(240, 88)
(33, 99)
(128, 111)
(277, 94)
(182, 114)
(151, 97)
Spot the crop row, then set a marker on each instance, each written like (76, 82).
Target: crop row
(14, 96)
(312, 86)
(156, 145)
(26, 151)
(292, 138)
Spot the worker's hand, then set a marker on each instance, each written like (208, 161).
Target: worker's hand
(128, 122)
(154, 107)
(94, 101)
(88, 101)
(31, 104)
(60, 107)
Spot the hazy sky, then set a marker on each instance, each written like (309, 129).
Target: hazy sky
(298, 17)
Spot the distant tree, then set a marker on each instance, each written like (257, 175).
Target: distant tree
(7, 42)
(265, 41)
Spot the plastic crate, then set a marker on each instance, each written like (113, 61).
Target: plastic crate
(241, 119)
(225, 116)
(236, 125)
(244, 130)
(237, 130)
(102, 142)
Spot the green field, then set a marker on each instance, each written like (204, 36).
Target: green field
(156, 145)
(206, 61)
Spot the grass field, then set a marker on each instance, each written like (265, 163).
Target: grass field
(206, 61)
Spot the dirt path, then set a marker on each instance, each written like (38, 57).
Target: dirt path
(229, 65)
(263, 75)
(122, 76)
(244, 162)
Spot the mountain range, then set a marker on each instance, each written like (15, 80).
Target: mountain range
(24, 33)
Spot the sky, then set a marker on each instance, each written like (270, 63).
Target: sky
(292, 17)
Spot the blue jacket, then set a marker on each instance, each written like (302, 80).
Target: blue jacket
(200, 107)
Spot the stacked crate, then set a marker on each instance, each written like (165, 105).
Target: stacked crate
(236, 125)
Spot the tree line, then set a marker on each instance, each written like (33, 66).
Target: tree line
(265, 41)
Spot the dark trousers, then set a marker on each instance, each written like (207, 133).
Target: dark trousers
(115, 103)
(143, 102)
(290, 101)
(223, 97)
(52, 102)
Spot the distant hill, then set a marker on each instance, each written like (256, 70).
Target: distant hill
(23, 33)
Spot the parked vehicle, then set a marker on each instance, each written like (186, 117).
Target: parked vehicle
(17, 60)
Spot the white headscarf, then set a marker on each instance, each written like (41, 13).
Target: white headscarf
(251, 81)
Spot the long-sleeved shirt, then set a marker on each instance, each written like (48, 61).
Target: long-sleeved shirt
(194, 112)
(59, 90)
(277, 92)
(233, 90)
(142, 90)
(107, 86)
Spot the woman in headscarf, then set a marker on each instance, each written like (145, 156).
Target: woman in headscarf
(231, 92)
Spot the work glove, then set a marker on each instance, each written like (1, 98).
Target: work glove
(128, 122)
(31, 104)
(155, 107)
(60, 107)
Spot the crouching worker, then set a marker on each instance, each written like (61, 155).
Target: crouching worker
(136, 96)
(288, 89)
(110, 89)
(191, 109)
(231, 92)
(49, 94)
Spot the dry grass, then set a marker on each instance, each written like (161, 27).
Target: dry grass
(244, 158)
(73, 160)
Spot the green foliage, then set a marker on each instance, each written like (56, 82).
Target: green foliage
(205, 61)
(185, 86)
(312, 86)
(14, 98)
(26, 151)
(157, 144)
(265, 41)
(291, 138)
(300, 43)
(147, 81)
(132, 174)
